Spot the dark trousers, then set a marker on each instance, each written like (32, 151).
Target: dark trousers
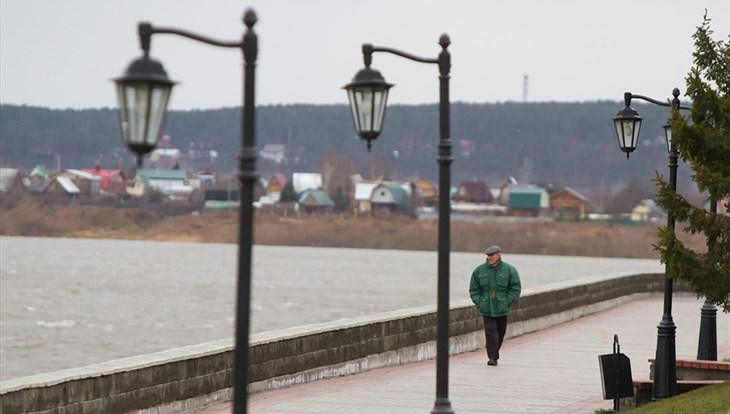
(494, 330)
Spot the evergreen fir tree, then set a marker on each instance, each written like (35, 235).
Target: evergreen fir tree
(288, 195)
(340, 200)
(703, 140)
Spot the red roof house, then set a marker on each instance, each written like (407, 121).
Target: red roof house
(111, 181)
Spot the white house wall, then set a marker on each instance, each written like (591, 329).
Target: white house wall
(363, 191)
(170, 186)
(382, 195)
(306, 181)
(544, 200)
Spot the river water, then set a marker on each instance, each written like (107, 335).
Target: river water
(71, 302)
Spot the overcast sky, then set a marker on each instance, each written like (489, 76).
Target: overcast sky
(63, 53)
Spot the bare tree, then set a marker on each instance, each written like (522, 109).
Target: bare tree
(336, 171)
(378, 167)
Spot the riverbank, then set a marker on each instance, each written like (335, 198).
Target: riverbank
(28, 217)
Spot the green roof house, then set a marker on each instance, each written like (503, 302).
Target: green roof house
(315, 201)
(389, 197)
(528, 202)
(170, 182)
(38, 179)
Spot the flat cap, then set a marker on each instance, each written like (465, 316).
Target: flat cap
(492, 250)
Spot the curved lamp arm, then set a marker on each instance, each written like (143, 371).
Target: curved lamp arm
(673, 103)
(146, 30)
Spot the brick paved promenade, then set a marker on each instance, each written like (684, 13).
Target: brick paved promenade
(551, 371)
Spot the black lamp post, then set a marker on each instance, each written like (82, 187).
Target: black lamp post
(143, 93)
(368, 93)
(707, 343)
(627, 124)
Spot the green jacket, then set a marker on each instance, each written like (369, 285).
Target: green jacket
(495, 289)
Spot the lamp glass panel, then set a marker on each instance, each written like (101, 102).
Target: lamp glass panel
(123, 111)
(138, 118)
(635, 129)
(353, 107)
(668, 137)
(618, 125)
(380, 97)
(363, 98)
(628, 134)
(366, 100)
(159, 97)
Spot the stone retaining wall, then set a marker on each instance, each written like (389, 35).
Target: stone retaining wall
(697, 370)
(184, 379)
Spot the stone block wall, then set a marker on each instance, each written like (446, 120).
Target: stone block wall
(183, 379)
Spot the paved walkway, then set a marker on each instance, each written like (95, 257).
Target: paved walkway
(551, 371)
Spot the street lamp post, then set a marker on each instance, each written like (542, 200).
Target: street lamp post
(368, 93)
(707, 343)
(627, 124)
(143, 93)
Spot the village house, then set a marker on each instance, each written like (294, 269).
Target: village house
(427, 192)
(473, 192)
(504, 190)
(274, 186)
(315, 202)
(363, 194)
(10, 181)
(62, 187)
(172, 183)
(74, 183)
(110, 181)
(37, 180)
(528, 202)
(646, 211)
(568, 203)
(388, 198)
(306, 181)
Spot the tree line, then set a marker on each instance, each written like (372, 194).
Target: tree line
(551, 142)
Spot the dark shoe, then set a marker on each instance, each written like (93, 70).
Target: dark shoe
(492, 362)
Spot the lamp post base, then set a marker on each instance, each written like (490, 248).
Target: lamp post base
(707, 346)
(665, 364)
(442, 406)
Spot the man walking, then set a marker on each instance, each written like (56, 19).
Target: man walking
(494, 287)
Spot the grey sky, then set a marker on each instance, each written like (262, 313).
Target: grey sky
(62, 54)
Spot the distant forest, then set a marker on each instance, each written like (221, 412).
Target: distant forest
(561, 144)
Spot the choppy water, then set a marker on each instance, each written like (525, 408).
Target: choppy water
(73, 302)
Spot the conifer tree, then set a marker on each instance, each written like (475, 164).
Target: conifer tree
(288, 195)
(703, 140)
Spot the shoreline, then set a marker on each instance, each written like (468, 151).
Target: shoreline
(29, 217)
